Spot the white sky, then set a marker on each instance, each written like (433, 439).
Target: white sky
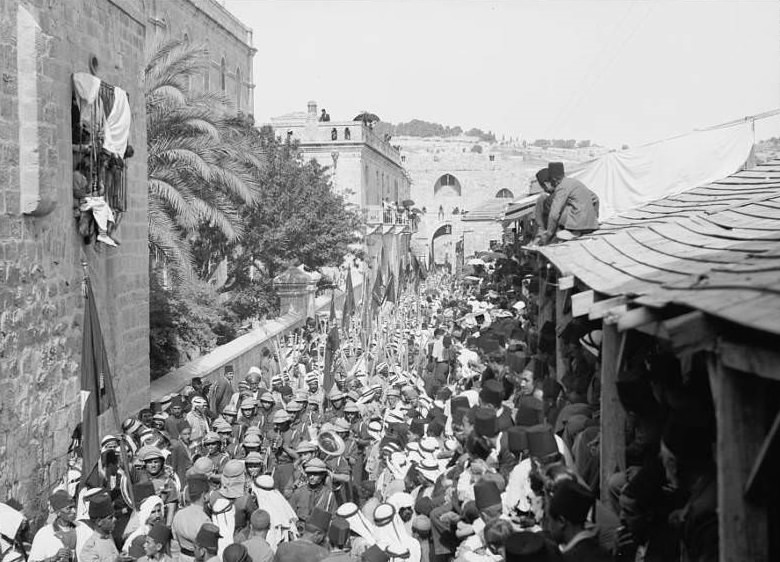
(613, 71)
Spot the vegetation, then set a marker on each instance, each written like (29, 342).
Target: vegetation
(229, 207)
(426, 129)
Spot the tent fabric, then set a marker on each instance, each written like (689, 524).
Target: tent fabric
(629, 178)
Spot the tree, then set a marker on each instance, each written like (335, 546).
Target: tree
(297, 217)
(476, 148)
(199, 169)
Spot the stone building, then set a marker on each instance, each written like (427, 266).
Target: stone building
(210, 24)
(462, 192)
(365, 168)
(42, 43)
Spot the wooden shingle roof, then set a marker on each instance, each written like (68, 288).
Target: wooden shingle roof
(714, 248)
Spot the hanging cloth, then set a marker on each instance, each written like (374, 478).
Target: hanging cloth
(117, 126)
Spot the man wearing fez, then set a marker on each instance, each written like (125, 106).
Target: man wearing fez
(156, 544)
(309, 547)
(566, 514)
(338, 535)
(100, 546)
(206, 543)
(56, 542)
(574, 207)
(189, 520)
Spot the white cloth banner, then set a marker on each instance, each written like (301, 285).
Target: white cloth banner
(629, 178)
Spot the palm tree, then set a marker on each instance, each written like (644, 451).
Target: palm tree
(200, 170)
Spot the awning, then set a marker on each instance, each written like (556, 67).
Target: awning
(521, 207)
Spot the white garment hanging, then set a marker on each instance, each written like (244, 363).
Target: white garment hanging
(117, 126)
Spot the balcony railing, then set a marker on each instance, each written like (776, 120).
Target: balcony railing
(376, 214)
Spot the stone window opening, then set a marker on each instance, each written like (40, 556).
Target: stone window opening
(334, 134)
(492, 157)
(223, 75)
(447, 180)
(347, 133)
(504, 194)
(238, 88)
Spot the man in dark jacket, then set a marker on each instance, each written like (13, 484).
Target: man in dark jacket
(567, 512)
(574, 207)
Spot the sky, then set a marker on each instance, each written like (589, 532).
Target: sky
(611, 71)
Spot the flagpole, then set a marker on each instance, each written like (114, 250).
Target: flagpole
(114, 407)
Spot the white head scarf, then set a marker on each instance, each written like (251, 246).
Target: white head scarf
(138, 521)
(357, 522)
(283, 517)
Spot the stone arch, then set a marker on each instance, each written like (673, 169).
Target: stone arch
(504, 193)
(442, 230)
(448, 182)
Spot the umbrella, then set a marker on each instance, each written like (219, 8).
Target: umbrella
(407, 203)
(475, 261)
(366, 117)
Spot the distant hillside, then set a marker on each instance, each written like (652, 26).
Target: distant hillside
(420, 128)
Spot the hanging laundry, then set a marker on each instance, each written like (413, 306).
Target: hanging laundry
(87, 87)
(117, 126)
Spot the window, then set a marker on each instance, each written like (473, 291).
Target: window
(223, 75)
(492, 157)
(504, 194)
(238, 89)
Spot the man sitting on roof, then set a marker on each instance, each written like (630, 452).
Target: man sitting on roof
(574, 208)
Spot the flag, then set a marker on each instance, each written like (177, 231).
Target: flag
(349, 301)
(378, 293)
(95, 381)
(332, 317)
(390, 289)
(331, 347)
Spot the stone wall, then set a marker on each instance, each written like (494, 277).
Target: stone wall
(41, 304)
(208, 23)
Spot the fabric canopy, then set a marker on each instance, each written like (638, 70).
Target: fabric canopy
(629, 178)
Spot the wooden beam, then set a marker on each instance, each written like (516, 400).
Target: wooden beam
(740, 407)
(581, 303)
(613, 417)
(561, 321)
(767, 464)
(690, 332)
(566, 282)
(757, 360)
(636, 317)
(613, 314)
(600, 308)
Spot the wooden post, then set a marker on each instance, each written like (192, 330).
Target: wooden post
(741, 414)
(561, 320)
(613, 417)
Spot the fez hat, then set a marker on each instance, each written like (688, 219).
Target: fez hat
(541, 441)
(486, 494)
(208, 536)
(197, 485)
(555, 170)
(485, 423)
(543, 176)
(572, 501)
(101, 506)
(60, 499)
(526, 546)
(417, 426)
(319, 519)
(529, 411)
(492, 392)
(338, 532)
(517, 440)
(160, 533)
(136, 549)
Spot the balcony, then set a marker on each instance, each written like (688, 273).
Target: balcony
(375, 215)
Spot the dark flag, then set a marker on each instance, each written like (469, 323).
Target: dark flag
(378, 293)
(390, 289)
(349, 301)
(95, 378)
(332, 316)
(331, 347)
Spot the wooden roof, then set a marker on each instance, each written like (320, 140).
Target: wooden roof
(714, 248)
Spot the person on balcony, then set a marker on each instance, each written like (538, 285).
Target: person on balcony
(574, 209)
(324, 116)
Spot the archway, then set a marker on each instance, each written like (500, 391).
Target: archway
(442, 248)
(447, 185)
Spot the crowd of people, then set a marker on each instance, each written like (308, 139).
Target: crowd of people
(441, 434)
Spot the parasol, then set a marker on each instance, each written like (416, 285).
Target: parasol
(366, 117)
(475, 261)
